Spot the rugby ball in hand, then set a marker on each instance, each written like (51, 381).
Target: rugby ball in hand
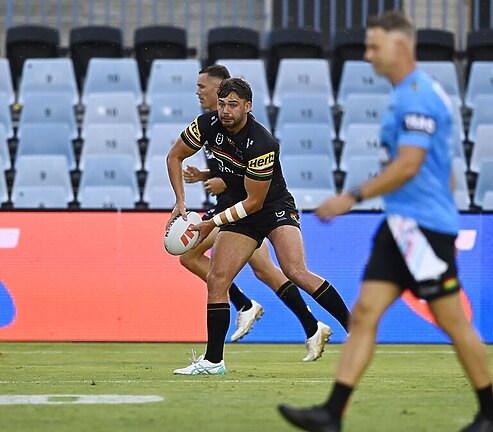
(178, 239)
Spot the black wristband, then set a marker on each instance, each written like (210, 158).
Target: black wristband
(356, 194)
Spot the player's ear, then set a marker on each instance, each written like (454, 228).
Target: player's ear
(248, 106)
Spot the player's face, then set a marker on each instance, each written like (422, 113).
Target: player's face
(207, 91)
(233, 111)
(380, 50)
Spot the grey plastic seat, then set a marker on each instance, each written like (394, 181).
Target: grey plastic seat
(112, 75)
(484, 181)
(488, 201)
(101, 170)
(6, 119)
(110, 139)
(48, 75)
(482, 115)
(361, 140)
(6, 87)
(303, 76)
(304, 109)
(47, 139)
(461, 190)
(172, 77)
(5, 162)
(112, 109)
(483, 148)
(107, 197)
(445, 72)
(480, 82)
(4, 196)
(359, 77)
(48, 107)
(42, 197)
(162, 139)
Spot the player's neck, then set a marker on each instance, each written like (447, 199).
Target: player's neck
(402, 71)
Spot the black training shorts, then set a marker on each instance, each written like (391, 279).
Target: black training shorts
(386, 263)
(259, 225)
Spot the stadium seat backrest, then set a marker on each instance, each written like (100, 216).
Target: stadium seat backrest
(252, 70)
(361, 169)
(163, 137)
(110, 139)
(40, 197)
(4, 196)
(47, 139)
(49, 107)
(48, 75)
(488, 201)
(109, 170)
(303, 76)
(482, 114)
(484, 182)
(6, 87)
(361, 140)
(445, 72)
(358, 77)
(461, 190)
(232, 42)
(107, 197)
(6, 119)
(172, 77)
(112, 108)
(483, 148)
(5, 162)
(112, 76)
(480, 82)
(308, 171)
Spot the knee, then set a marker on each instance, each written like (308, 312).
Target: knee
(187, 261)
(362, 314)
(218, 281)
(295, 274)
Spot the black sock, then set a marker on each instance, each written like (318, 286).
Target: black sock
(217, 327)
(238, 298)
(338, 400)
(485, 397)
(290, 295)
(327, 297)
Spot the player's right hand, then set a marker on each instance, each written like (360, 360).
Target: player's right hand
(191, 174)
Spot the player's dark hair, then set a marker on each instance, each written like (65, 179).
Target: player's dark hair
(235, 85)
(216, 71)
(393, 20)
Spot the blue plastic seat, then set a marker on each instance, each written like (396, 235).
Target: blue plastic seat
(6, 119)
(4, 196)
(107, 197)
(102, 170)
(162, 139)
(6, 87)
(445, 72)
(48, 75)
(484, 182)
(48, 197)
(360, 169)
(110, 139)
(172, 77)
(303, 76)
(480, 82)
(112, 109)
(5, 163)
(461, 190)
(359, 77)
(112, 75)
(482, 115)
(44, 108)
(361, 140)
(483, 148)
(488, 201)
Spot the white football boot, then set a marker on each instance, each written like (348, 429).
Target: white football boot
(200, 366)
(245, 320)
(315, 345)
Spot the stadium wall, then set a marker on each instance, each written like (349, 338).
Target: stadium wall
(104, 276)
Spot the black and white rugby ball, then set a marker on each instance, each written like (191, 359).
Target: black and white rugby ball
(179, 239)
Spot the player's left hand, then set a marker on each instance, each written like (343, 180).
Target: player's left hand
(204, 228)
(334, 206)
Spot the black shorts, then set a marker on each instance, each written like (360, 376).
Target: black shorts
(386, 263)
(259, 225)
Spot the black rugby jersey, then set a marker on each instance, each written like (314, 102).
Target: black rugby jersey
(252, 152)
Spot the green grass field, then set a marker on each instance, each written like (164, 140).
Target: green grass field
(408, 388)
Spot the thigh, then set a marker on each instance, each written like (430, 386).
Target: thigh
(375, 297)
(203, 247)
(448, 311)
(288, 244)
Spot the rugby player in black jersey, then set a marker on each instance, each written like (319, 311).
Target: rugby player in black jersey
(248, 163)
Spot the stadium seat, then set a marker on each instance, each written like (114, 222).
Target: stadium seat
(93, 41)
(172, 78)
(44, 172)
(480, 82)
(114, 109)
(112, 76)
(445, 73)
(48, 108)
(482, 115)
(362, 109)
(27, 42)
(232, 43)
(253, 70)
(259, 111)
(349, 44)
(102, 170)
(314, 140)
(479, 48)
(461, 190)
(41, 197)
(163, 137)
(108, 139)
(361, 140)
(358, 77)
(303, 76)
(309, 179)
(5, 163)
(47, 139)
(435, 45)
(172, 109)
(484, 182)
(4, 195)
(488, 201)
(48, 75)
(292, 43)
(306, 109)
(483, 148)
(158, 42)
(6, 119)
(6, 87)
(107, 197)
(158, 192)
(360, 169)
